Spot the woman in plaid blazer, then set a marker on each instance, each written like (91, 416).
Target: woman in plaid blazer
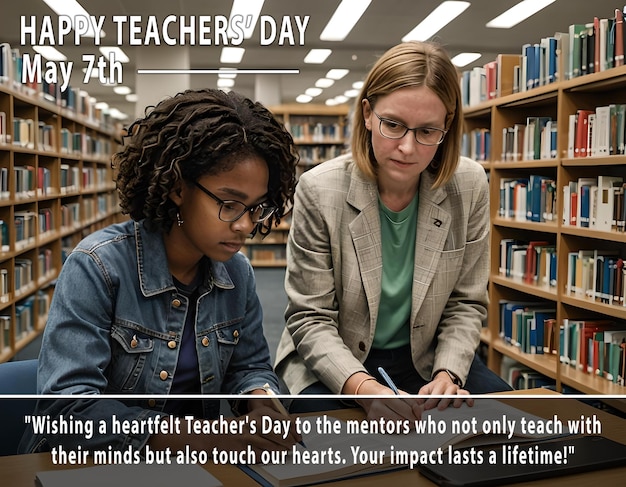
(388, 253)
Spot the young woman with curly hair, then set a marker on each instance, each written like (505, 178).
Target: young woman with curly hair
(165, 303)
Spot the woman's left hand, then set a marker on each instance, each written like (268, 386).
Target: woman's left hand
(443, 385)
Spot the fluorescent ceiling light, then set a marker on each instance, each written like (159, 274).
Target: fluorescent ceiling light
(72, 8)
(436, 20)
(114, 53)
(341, 99)
(518, 13)
(357, 85)
(102, 105)
(228, 73)
(122, 90)
(313, 92)
(317, 56)
(337, 74)
(351, 93)
(324, 83)
(344, 19)
(465, 58)
(232, 55)
(225, 83)
(50, 53)
(331, 102)
(132, 98)
(93, 73)
(249, 10)
(115, 113)
(303, 98)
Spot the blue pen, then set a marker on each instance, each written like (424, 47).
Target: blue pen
(388, 380)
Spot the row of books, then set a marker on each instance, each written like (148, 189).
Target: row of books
(266, 253)
(597, 132)
(27, 311)
(476, 144)
(44, 138)
(528, 199)
(313, 154)
(25, 228)
(595, 347)
(521, 377)
(27, 224)
(23, 277)
(315, 132)
(529, 326)
(24, 273)
(534, 140)
(75, 100)
(597, 275)
(595, 203)
(585, 48)
(531, 262)
(597, 45)
(30, 180)
(592, 346)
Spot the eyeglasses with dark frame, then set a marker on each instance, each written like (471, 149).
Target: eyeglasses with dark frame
(391, 129)
(232, 210)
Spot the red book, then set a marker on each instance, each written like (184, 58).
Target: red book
(491, 79)
(573, 205)
(580, 142)
(586, 331)
(530, 273)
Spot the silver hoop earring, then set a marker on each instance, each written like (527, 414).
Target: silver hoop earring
(179, 220)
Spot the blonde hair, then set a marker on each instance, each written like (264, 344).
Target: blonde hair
(412, 64)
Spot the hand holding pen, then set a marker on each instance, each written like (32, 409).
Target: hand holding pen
(278, 406)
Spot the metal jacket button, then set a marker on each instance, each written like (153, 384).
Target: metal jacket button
(163, 374)
(171, 344)
(205, 342)
(134, 342)
(176, 303)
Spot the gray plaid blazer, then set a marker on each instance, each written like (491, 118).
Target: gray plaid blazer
(334, 274)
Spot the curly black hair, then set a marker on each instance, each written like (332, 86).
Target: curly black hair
(195, 133)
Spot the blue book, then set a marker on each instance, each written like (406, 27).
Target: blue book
(551, 55)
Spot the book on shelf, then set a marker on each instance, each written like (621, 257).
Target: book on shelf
(505, 73)
(606, 196)
(375, 449)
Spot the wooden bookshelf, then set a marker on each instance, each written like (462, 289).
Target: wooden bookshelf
(58, 188)
(320, 133)
(558, 100)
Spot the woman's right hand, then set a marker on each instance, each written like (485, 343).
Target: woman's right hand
(390, 408)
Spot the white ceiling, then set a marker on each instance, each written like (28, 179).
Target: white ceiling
(384, 23)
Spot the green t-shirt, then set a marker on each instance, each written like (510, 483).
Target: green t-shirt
(398, 229)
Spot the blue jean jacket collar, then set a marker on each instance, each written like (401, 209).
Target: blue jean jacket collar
(155, 278)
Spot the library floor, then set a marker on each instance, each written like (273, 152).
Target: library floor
(271, 291)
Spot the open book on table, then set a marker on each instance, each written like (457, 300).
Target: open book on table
(329, 457)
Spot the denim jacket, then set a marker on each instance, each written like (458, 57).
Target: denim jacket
(115, 324)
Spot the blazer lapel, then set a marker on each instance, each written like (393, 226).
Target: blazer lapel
(433, 225)
(365, 232)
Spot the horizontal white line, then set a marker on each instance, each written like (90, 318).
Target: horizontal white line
(218, 71)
